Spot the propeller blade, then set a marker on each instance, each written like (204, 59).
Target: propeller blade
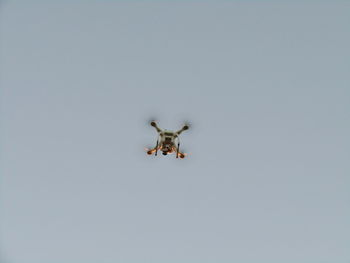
(151, 120)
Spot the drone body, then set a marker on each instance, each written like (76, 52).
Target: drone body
(168, 141)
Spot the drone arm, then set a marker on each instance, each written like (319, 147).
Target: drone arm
(184, 128)
(154, 124)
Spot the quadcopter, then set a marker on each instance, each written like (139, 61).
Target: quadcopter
(168, 141)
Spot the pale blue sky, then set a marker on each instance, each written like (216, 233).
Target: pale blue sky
(266, 85)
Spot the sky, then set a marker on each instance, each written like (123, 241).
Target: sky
(265, 85)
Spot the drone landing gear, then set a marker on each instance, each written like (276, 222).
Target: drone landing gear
(177, 150)
(178, 153)
(156, 149)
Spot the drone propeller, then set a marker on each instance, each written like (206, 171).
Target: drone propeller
(182, 155)
(150, 120)
(148, 150)
(186, 125)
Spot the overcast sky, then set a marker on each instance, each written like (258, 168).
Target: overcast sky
(265, 85)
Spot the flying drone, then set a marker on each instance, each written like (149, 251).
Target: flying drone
(168, 141)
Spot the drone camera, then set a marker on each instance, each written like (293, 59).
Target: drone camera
(153, 123)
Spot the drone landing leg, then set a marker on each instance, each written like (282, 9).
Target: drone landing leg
(178, 150)
(156, 149)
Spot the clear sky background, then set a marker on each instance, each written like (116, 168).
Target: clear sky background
(266, 86)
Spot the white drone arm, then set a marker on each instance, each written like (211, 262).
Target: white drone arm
(184, 128)
(154, 124)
